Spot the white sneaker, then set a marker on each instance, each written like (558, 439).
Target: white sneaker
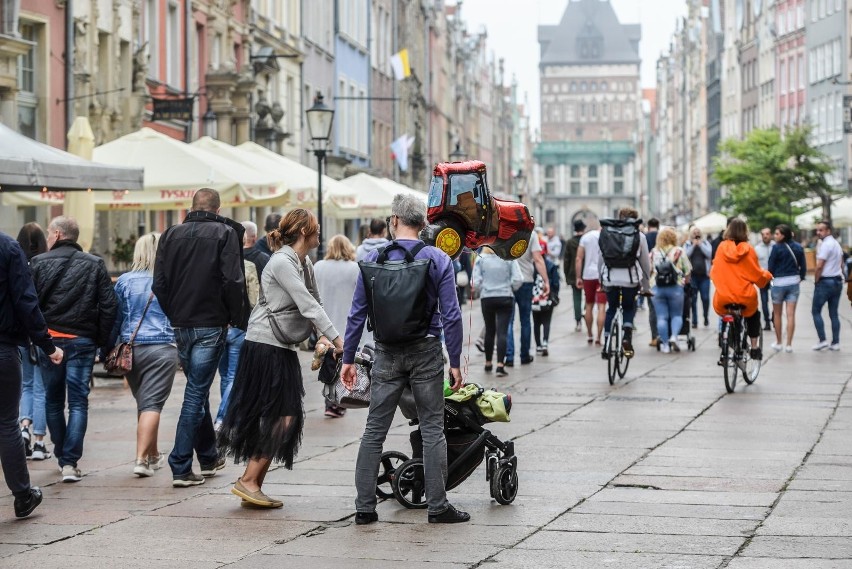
(820, 346)
(143, 469)
(155, 462)
(788, 349)
(777, 347)
(834, 347)
(664, 347)
(40, 451)
(71, 474)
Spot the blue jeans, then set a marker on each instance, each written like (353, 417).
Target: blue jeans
(32, 394)
(72, 376)
(420, 365)
(700, 287)
(199, 350)
(628, 305)
(228, 367)
(668, 302)
(523, 298)
(827, 290)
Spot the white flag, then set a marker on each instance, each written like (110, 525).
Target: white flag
(400, 148)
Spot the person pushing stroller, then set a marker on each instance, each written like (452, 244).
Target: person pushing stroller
(407, 322)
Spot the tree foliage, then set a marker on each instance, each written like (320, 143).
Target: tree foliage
(767, 172)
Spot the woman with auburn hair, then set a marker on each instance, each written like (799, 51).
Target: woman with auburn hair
(336, 276)
(265, 411)
(668, 288)
(735, 274)
(155, 354)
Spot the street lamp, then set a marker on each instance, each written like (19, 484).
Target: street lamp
(208, 121)
(320, 119)
(458, 154)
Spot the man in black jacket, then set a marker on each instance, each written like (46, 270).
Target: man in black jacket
(79, 304)
(199, 280)
(21, 321)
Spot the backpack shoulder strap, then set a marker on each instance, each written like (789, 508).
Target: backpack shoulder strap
(383, 252)
(417, 248)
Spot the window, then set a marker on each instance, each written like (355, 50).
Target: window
(836, 58)
(550, 188)
(550, 216)
(575, 188)
(593, 188)
(801, 71)
(594, 86)
(783, 78)
(782, 19)
(575, 171)
(594, 109)
(593, 171)
(173, 46)
(27, 84)
(573, 86)
(800, 15)
(618, 179)
(791, 72)
(152, 38)
(603, 86)
(583, 87)
(549, 171)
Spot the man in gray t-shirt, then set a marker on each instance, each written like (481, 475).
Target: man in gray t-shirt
(528, 263)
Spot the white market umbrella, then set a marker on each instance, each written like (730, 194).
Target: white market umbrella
(841, 215)
(713, 222)
(174, 170)
(375, 195)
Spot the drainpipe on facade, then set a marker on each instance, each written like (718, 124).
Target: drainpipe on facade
(394, 163)
(69, 68)
(186, 63)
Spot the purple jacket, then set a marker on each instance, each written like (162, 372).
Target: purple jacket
(441, 286)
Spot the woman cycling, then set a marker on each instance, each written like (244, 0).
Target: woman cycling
(735, 273)
(787, 265)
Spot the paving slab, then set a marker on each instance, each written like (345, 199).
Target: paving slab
(781, 547)
(632, 543)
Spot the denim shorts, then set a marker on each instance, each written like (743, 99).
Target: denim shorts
(788, 293)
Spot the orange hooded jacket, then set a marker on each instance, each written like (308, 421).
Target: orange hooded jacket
(734, 273)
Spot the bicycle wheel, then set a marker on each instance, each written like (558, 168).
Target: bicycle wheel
(750, 367)
(623, 361)
(729, 366)
(613, 350)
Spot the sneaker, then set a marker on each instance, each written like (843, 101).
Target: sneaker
(525, 361)
(820, 346)
(155, 462)
(25, 434)
(501, 372)
(834, 347)
(777, 347)
(665, 347)
(627, 343)
(71, 474)
(480, 346)
(364, 518)
(40, 451)
(509, 363)
(706, 323)
(674, 345)
(767, 327)
(544, 352)
(24, 506)
(538, 349)
(756, 354)
(187, 480)
(577, 326)
(449, 516)
(210, 471)
(788, 349)
(604, 354)
(142, 469)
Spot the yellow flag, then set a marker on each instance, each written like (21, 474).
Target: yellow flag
(400, 66)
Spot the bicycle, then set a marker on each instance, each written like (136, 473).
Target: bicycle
(616, 360)
(736, 349)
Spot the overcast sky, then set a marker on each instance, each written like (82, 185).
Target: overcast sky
(513, 33)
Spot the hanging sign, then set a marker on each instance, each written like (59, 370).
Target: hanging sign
(173, 109)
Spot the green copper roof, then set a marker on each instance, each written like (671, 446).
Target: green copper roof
(577, 152)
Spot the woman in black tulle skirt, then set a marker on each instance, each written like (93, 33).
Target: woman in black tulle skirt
(265, 413)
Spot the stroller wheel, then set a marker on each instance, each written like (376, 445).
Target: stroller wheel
(390, 462)
(504, 484)
(409, 484)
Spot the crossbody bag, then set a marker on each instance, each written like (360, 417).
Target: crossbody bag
(119, 360)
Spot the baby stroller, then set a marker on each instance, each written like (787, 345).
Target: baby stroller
(468, 443)
(686, 327)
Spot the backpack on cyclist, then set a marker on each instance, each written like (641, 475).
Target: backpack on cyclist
(619, 243)
(667, 272)
(397, 308)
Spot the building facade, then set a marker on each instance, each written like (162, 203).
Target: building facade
(590, 111)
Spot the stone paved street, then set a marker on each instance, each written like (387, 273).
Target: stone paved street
(662, 470)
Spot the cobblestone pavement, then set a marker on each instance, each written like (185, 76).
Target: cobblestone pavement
(664, 469)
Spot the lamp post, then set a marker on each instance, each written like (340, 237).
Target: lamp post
(458, 154)
(320, 119)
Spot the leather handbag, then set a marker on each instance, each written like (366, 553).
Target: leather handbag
(119, 360)
(288, 325)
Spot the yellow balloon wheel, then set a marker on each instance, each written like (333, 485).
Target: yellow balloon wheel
(448, 241)
(518, 248)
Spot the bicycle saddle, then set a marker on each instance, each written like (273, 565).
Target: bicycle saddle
(734, 306)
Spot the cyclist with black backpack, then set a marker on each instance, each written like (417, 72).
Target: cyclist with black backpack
(406, 293)
(671, 270)
(624, 267)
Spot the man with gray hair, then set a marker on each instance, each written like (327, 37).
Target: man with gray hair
(250, 252)
(414, 360)
(78, 301)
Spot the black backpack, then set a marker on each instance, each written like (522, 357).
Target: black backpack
(397, 308)
(619, 242)
(666, 271)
